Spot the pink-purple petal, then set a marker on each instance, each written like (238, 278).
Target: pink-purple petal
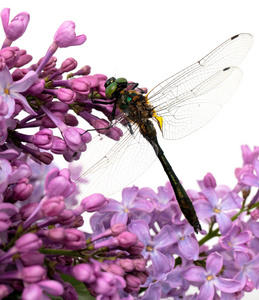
(214, 263)
(143, 204)
(227, 285)
(224, 222)
(204, 209)
(120, 217)
(161, 264)
(141, 229)
(5, 79)
(129, 195)
(24, 103)
(211, 195)
(163, 238)
(241, 258)
(207, 291)
(195, 274)
(23, 84)
(153, 292)
(253, 274)
(189, 248)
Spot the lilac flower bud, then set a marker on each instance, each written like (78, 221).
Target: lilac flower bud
(32, 289)
(69, 292)
(66, 95)
(83, 71)
(23, 189)
(71, 120)
(118, 228)
(9, 209)
(32, 258)
(136, 249)
(17, 26)
(53, 206)
(56, 234)
(27, 210)
(45, 157)
(91, 203)
(105, 284)
(2, 63)
(84, 273)
(20, 170)
(11, 55)
(9, 154)
(66, 217)
(58, 145)
(81, 85)
(33, 274)
(100, 77)
(5, 290)
(18, 74)
(28, 242)
(133, 282)
(52, 287)
(209, 181)
(58, 183)
(23, 60)
(115, 269)
(126, 264)
(142, 276)
(68, 65)
(93, 81)
(127, 239)
(66, 36)
(140, 264)
(37, 87)
(74, 239)
(58, 107)
(43, 139)
(48, 123)
(4, 221)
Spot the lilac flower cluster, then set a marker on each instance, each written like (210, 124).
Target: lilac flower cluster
(40, 242)
(227, 268)
(43, 252)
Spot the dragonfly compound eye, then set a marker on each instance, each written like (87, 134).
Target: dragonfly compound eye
(110, 90)
(122, 83)
(109, 81)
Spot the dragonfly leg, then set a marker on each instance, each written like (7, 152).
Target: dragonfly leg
(96, 129)
(101, 101)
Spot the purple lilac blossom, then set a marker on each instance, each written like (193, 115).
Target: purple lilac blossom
(41, 238)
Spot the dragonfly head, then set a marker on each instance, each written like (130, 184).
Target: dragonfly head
(113, 86)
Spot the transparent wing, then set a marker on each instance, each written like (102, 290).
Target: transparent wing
(118, 162)
(190, 98)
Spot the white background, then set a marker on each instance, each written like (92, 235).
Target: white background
(148, 41)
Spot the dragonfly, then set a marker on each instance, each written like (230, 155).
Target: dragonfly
(179, 105)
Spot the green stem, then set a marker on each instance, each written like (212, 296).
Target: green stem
(71, 253)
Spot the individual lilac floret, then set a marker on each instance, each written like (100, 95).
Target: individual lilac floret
(10, 91)
(214, 206)
(154, 248)
(128, 207)
(17, 26)
(249, 268)
(235, 239)
(186, 241)
(208, 279)
(64, 37)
